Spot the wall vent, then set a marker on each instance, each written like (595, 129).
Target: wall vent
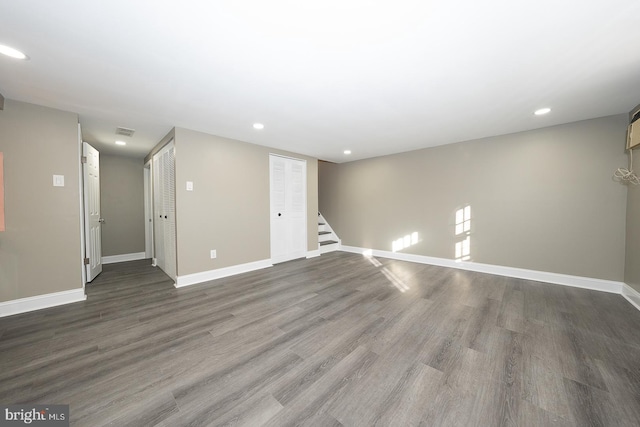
(124, 131)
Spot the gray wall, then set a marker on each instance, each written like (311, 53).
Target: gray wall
(632, 265)
(229, 207)
(541, 200)
(122, 204)
(40, 249)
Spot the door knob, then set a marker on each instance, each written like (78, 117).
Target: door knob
(279, 214)
(101, 220)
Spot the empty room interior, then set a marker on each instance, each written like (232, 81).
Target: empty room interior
(339, 213)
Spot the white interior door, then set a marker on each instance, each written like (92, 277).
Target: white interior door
(92, 219)
(288, 184)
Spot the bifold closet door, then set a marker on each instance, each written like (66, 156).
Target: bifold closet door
(165, 209)
(288, 184)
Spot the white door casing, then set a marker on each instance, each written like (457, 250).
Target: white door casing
(148, 212)
(288, 208)
(92, 219)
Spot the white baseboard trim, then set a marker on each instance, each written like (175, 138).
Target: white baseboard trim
(631, 295)
(520, 273)
(23, 305)
(313, 254)
(122, 258)
(205, 276)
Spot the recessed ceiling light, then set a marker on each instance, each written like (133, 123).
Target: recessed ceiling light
(121, 143)
(13, 53)
(347, 152)
(258, 126)
(542, 111)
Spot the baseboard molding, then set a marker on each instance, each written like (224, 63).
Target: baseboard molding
(520, 273)
(313, 254)
(205, 276)
(631, 295)
(122, 258)
(23, 305)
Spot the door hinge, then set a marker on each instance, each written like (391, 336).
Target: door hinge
(83, 159)
(86, 261)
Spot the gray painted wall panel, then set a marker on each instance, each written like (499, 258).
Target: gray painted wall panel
(632, 265)
(228, 210)
(40, 249)
(122, 204)
(541, 200)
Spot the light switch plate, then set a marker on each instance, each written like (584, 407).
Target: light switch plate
(58, 180)
(213, 253)
(189, 185)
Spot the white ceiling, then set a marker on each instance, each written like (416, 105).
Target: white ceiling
(376, 77)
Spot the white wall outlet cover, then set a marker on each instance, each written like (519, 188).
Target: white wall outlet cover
(189, 185)
(58, 180)
(213, 253)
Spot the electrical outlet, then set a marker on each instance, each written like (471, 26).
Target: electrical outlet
(213, 254)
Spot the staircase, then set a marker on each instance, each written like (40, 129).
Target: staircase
(328, 240)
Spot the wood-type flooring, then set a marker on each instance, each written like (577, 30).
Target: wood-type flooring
(338, 340)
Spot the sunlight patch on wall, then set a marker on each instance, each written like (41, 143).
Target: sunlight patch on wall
(405, 242)
(463, 220)
(462, 248)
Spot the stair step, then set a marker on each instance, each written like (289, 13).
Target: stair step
(327, 242)
(321, 233)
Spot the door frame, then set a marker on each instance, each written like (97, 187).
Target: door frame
(81, 191)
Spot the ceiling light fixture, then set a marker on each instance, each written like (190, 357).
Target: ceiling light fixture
(258, 126)
(347, 152)
(11, 52)
(542, 111)
(121, 143)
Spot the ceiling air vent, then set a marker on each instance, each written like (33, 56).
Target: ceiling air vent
(125, 131)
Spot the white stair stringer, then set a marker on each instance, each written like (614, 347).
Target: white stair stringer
(326, 234)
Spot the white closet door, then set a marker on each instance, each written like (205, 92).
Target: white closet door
(278, 208)
(164, 210)
(288, 183)
(169, 199)
(297, 209)
(158, 223)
